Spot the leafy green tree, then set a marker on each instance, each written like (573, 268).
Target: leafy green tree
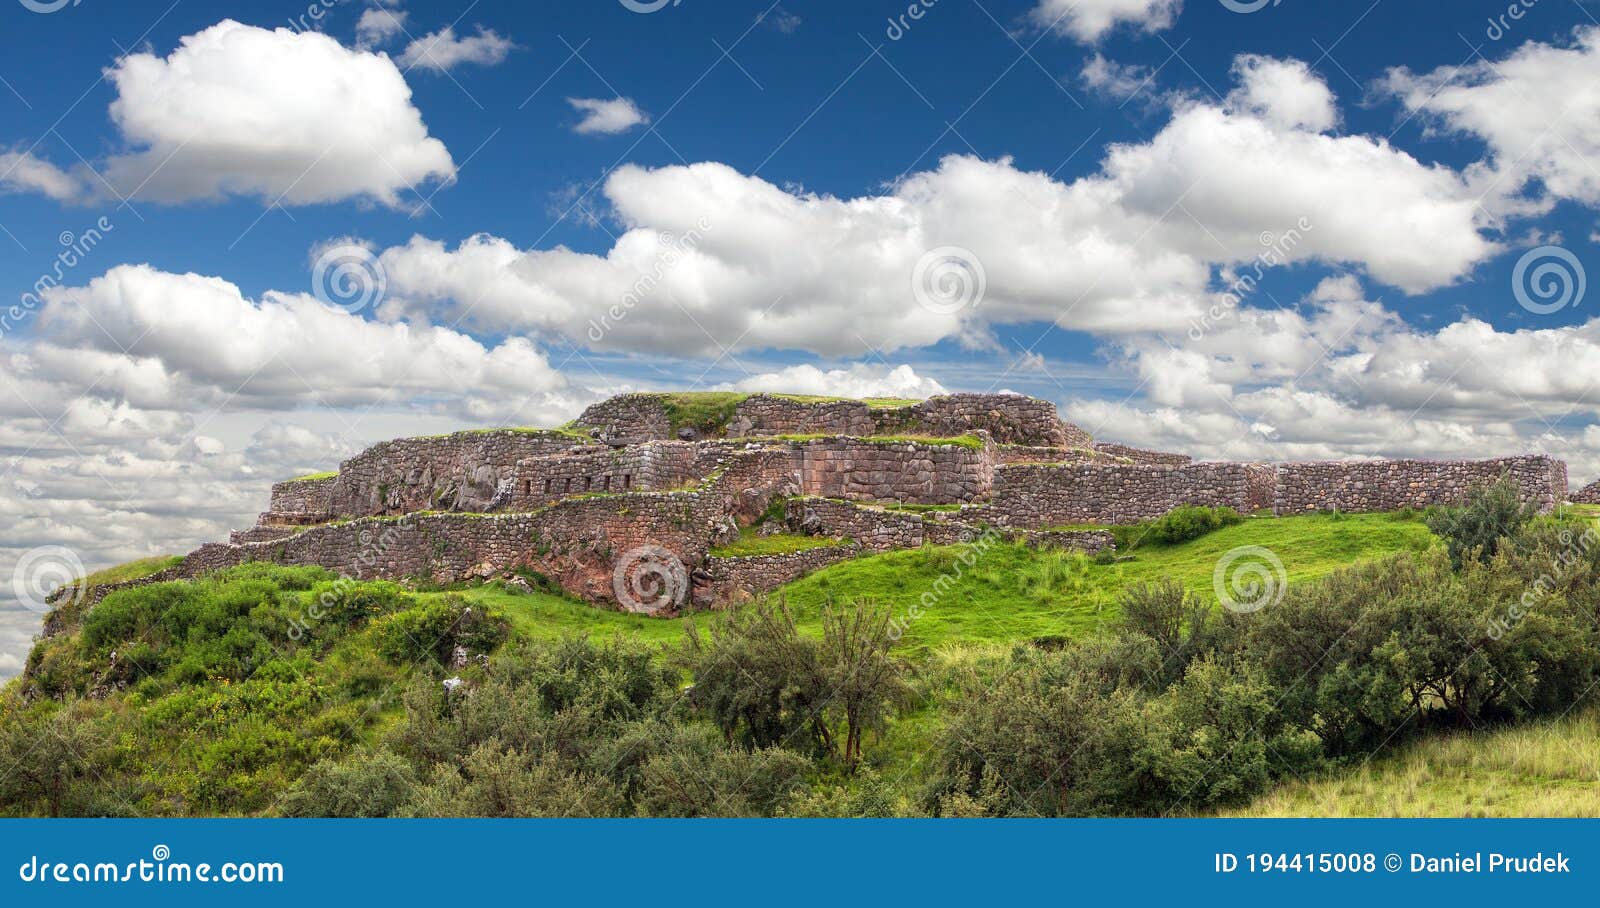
(865, 682)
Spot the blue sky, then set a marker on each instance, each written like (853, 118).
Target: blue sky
(764, 186)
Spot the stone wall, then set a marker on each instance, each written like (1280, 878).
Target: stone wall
(1006, 454)
(628, 419)
(763, 414)
(875, 529)
(1045, 495)
(578, 542)
(300, 501)
(1008, 418)
(656, 466)
(1386, 485)
(910, 472)
(264, 533)
(1142, 456)
(1589, 494)
(466, 471)
(737, 579)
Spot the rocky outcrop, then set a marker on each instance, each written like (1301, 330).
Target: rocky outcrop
(1387, 485)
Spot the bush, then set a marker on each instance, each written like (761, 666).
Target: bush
(1188, 522)
(431, 632)
(369, 784)
(1490, 514)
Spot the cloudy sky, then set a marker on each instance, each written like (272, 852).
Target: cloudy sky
(240, 241)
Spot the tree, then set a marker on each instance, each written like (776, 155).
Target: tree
(865, 681)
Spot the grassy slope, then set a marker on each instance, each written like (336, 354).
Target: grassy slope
(1536, 770)
(133, 570)
(1009, 595)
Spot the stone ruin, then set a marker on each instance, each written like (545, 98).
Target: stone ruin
(628, 505)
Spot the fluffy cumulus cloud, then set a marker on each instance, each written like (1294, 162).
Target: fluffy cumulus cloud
(711, 258)
(1116, 80)
(1090, 20)
(607, 117)
(1285, 93)
(289, 117)
(161, 338)
(444, 49)
(1537, 110)
(859, 380)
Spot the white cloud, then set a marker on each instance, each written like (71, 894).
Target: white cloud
(379, 25)
(1139, 246)
(1116, 80)
(21, 171)
(191, 336)
(859, 380)
(444, 50)
(1285, 93)
(1089, 20)
(607, 117)
(290, 117)
(1537, 110)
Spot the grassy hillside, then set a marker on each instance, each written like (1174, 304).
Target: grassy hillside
(192, 699)
(1543, 769)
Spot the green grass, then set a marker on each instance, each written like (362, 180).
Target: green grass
(547, 616)
(750, 543)
(312, 477)
(1013, 593)
(133, 570)
(1542, 769)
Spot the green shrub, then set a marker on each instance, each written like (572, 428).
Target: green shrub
(431, 632)
(1491, 513)
(368, 784)
(1188, 522)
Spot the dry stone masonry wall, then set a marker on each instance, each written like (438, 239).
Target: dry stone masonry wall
(1049, 495)
(1386, 485)
(574, 505)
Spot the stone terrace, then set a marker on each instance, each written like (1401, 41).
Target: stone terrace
(663, 480)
